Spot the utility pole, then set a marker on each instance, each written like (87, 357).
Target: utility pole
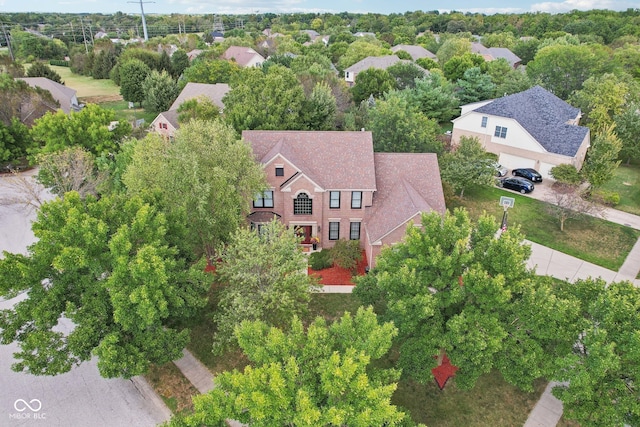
(84, 37)
(144, 22)
(6, 37)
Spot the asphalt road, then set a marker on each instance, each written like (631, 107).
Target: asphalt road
(78, 398)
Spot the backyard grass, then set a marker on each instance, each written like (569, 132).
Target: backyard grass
(626, 182)
(591, 239)
(123, 112)
(172, 386)
(87, 87)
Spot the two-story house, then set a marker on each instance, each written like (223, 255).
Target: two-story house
(332, 186)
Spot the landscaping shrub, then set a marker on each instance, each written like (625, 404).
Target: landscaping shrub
(59, 62)
(609, 198)
(566, 174)
(346, 254)
(320, 260)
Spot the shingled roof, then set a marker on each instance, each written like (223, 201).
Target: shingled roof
(380, 62)
(334, 160)
(544, 116)
(214, 92)
(408, 184)
(416, 51)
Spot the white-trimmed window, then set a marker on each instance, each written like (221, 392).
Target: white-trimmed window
(302, 204)
(334, 230)
(356, 199)
(279, 171)
(334, 199)
(501, 132)
(484, 121)
(264, 200)
(354, 231)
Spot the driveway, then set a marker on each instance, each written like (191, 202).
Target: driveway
(78, 398)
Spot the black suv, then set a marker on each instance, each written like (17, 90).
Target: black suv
(530, 174)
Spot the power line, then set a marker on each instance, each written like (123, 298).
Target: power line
(144, 22)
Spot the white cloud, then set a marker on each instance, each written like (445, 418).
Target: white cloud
(567, 5)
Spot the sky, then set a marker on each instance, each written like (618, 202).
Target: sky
(319, 6)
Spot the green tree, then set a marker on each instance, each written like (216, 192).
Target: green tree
(455, 68)
(104, 265)
(452, 285)
(40, 69)
(265, 279)
(435, 97)
(474, 86)
(398, 127)
(320, 108)
(88, 128)
(271, 100)
(133, 73)
(198, 108)
(600, 377)
(574, 63)
(179, 63)
(212, 170)
(372, 82)
(15, 140)
(72, 169)
(405, 74)
(318, 377)
(360, 49)
(500, 39)
(514, 81)
(628, 130)
(453, 46)
(602, 158)
(160, 90)
(600, 99)
(467, 166)
(211, 71)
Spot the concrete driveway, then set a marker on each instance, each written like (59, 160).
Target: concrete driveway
(78, 398)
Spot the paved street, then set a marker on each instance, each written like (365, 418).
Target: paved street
(78, 398)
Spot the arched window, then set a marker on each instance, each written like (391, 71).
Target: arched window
(302, 205)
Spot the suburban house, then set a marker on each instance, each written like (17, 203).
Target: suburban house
(243, 56)
(166, 123)
(382, 62)
(416, 51)
(331, 185)
(530, 129)
(65, 96)
(193, 54)
(493, 53)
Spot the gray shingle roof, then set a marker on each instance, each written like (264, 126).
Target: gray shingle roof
(215, 93)
(503, 52)
(544, 116)
(332, 159)
(382, 62)
(61, 93)
(416, 51)
(408, 184)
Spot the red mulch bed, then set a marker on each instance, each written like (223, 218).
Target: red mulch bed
(337, 275)
(443, 372)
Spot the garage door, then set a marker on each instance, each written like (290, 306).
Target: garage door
(512, 162)
(544, 170)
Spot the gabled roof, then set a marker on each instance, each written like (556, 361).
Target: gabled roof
(382, 62)
(214, 92)
(416, 51)
(544, 116)
(408, 184)
(332, 159)
(242, 55)
(170, 116)
(503, 52)
(65, 96)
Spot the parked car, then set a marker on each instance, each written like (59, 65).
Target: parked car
(530, 174)
(500, 170)
(517, 184)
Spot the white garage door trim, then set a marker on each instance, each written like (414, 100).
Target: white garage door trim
(512, 162)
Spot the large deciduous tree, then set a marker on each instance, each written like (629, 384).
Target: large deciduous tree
(132, 74)
(101, 281)
(628, 131)
(205, 178)
(318, 377)
(373, 82)
(435, 97)
(600, 378)
(72, 169)
(602, 158)
(474, 86)
(160, 90)
(452, 285)
(258, 100)
(467, 166)
(87, 128)
(265, 278)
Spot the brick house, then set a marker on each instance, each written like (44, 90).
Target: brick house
(331, 185)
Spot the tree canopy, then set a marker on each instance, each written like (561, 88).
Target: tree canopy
(104, 266)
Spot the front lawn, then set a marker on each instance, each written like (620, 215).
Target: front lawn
(626, 182)
(85, 86)
(591, 239)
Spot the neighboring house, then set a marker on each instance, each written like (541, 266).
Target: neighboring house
(193, 54)
(313, 34)
(493, 53)
(530, 129)
(166, 123)
(331, 185)
(243, 56)
(381, 62)
(65, 96)
(416, 52)
(365, 34)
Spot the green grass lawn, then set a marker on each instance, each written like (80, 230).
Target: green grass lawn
(626, 182)
(87, 87)
(591, 239)
(123, 112)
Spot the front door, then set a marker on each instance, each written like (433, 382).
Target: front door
(304, 231)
